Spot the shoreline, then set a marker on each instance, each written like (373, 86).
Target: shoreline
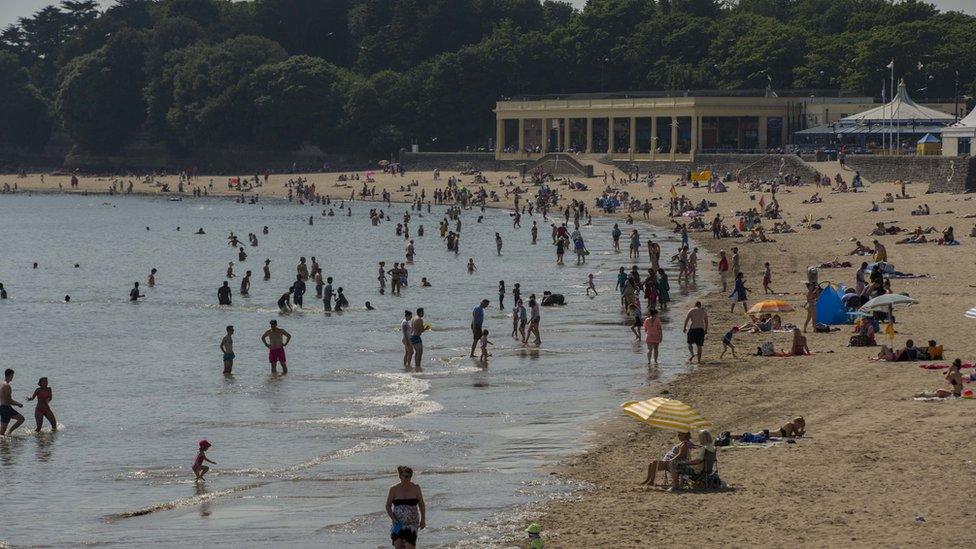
(874, 460)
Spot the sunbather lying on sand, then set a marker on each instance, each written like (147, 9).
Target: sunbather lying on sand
(910, 352)
(794, 428)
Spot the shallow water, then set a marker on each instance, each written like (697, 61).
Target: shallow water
(303, 459)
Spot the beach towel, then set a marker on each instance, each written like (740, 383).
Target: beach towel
(942, 366)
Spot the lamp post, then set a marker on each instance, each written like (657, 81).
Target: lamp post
(956, 96)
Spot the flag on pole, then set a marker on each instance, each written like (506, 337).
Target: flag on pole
(884, 91)
(891, 65)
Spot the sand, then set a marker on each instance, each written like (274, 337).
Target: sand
(874, 460)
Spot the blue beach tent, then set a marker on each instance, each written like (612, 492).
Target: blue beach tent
(830, 310)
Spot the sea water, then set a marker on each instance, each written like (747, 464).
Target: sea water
(304, 459)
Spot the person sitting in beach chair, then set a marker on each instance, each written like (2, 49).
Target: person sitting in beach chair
(699, 470)
(672, 460)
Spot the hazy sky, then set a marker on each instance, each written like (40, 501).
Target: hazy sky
(10, 10)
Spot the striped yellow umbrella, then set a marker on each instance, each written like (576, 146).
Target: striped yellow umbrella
(770, 306)
(666, 413)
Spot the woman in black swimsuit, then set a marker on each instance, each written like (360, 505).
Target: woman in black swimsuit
(405, 506)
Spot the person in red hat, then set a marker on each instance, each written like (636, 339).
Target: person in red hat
(199, 469)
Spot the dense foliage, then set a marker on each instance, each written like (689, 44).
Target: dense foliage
(374, 75)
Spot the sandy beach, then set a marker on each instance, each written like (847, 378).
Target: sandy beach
(874, 460)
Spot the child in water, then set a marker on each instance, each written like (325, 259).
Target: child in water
(199, 469)
(471, 267)
(590, 286)
(484, 346)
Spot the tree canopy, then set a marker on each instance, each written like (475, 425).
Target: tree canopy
(371, 76)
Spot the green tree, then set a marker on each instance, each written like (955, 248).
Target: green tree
(24, 118)
(295, 101)
(199, 98)
(100, 94)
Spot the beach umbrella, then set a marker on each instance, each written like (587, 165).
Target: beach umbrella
(971, 313)
(770, 306)
(666, 413)
(883, 302)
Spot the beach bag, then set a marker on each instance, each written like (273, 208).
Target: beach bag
(767, 349)
(713, 481)
(725, 439)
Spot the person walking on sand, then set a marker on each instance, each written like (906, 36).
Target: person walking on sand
(199, 469)
(696, 326)
(767, 279)
(740, 293)
(227, 348)
(653, 334)
(477, 323)
(276, 339)
(44, 395)
(727, 344)
(813, 293)
(723, 269)
(406, 508)
(7, 404)
(406, 332)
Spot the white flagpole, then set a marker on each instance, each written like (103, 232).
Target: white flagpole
(884, 114)
(893, 94)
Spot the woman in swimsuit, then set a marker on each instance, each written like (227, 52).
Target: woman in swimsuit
(675, 457)
(44, 396)
(406, 508)
(954, 378)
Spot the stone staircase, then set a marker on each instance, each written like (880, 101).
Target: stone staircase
(561, 164)
(831, 169)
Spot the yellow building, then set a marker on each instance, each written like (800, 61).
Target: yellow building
(662, 126)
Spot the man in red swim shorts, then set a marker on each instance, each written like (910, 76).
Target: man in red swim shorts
(275, 339)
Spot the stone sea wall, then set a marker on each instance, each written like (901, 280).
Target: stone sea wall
(942, 173)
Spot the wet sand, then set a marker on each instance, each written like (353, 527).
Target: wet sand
(875, 459)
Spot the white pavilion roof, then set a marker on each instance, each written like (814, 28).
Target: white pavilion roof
(901, 108)
(964, 128)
